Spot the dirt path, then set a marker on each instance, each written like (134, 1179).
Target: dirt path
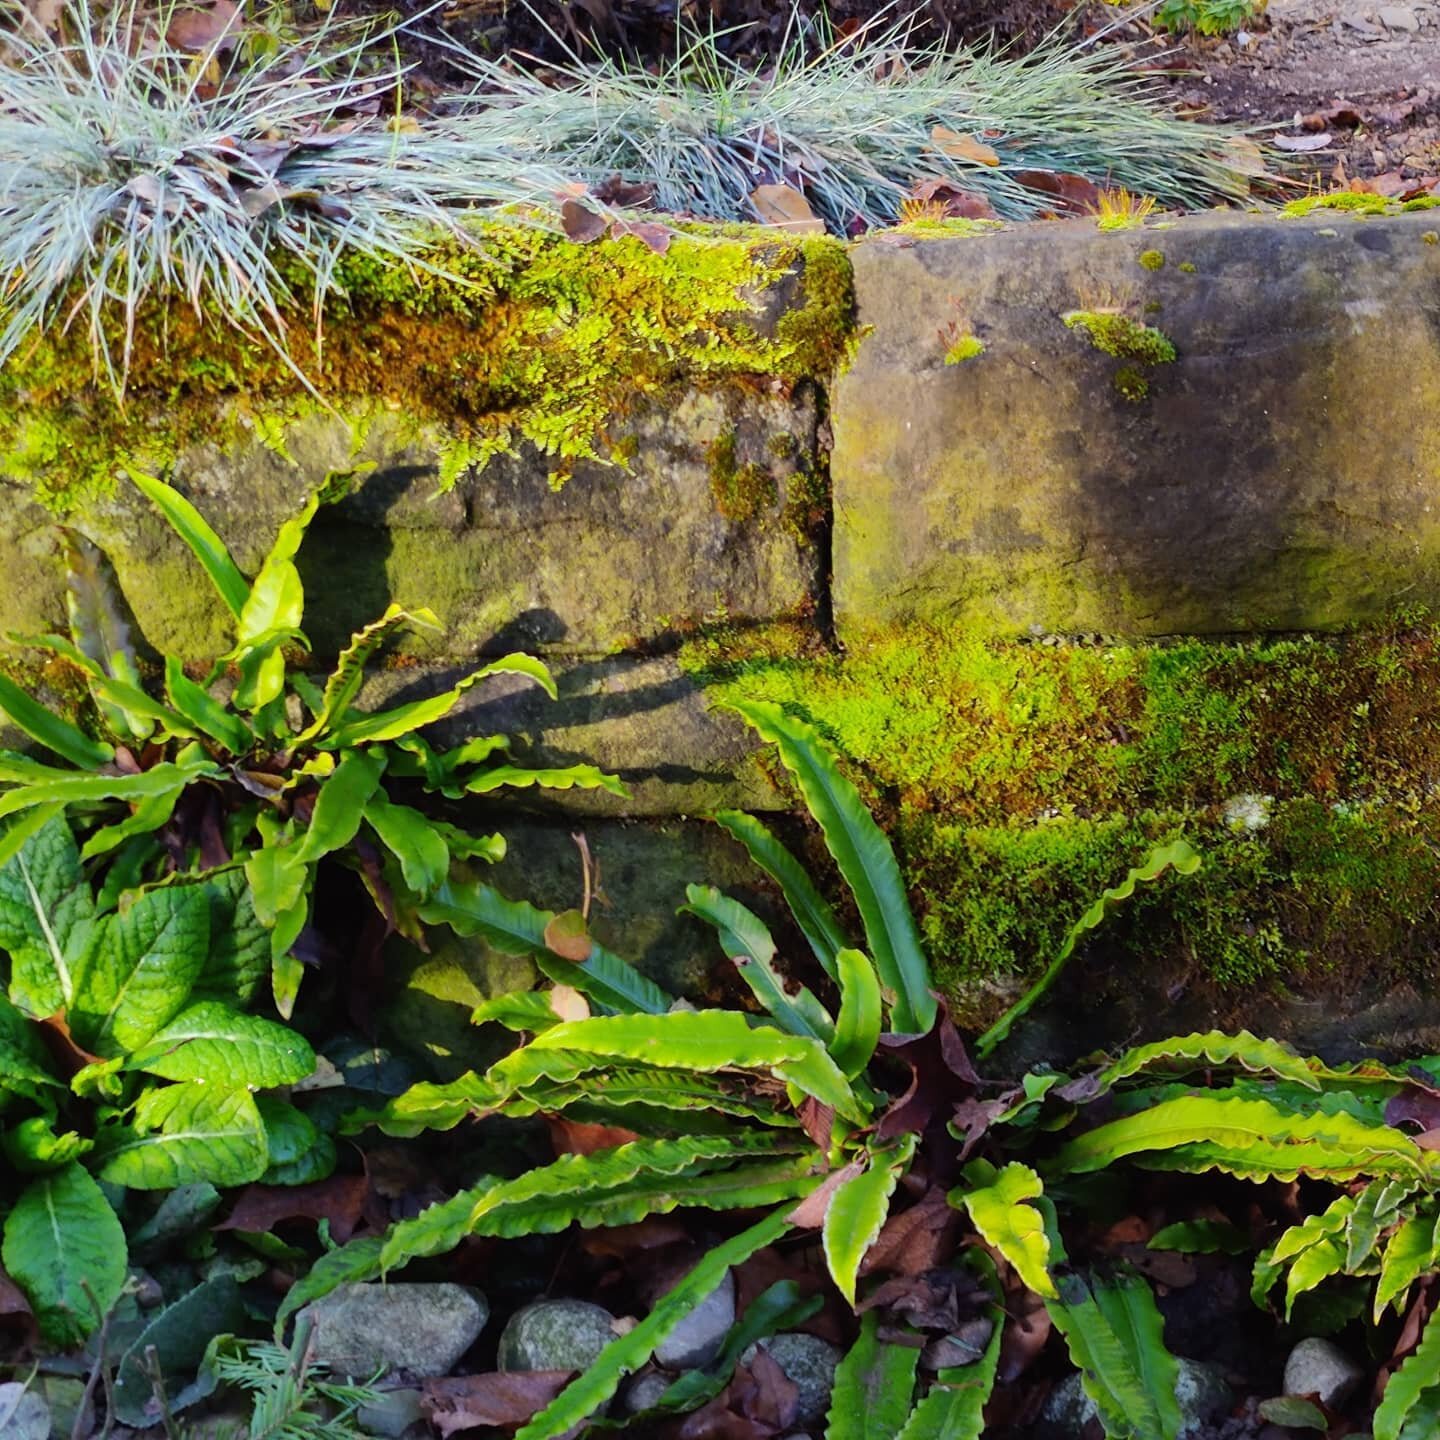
(1358, 79)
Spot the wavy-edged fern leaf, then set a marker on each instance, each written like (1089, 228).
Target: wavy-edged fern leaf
(811, 910)
(1411, 1403)
(954, 1409)
(864, 857)
(746, 939)
(699, 1040)
(873, 1386)
(1251, 1138)
(1413, 1250)
(1177, 854)
(857, 1027)
(998, 1202)
(626, 1354)
(1113, 1329)
(1213, 1047)
(515, 927)
(858, 1209)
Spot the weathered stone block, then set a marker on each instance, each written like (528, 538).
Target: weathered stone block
(1282, 473)
(706, 517)
(641, 719)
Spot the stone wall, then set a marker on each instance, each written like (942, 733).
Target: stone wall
(976, 590)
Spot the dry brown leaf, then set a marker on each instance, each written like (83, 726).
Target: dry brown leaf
(340, 1200)
(463, 1402)
(568, 1003)
(963, 147)
(1074, 193)
(195, 31)
(809, 1214)
(579, 1137)
(582, 225)
(566, 935)
(785, 208)
(657, 237)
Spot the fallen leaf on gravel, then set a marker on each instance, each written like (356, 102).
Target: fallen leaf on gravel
(462, 1402)
(785, 208)
(759, 1402)
(1297, 144)
(340, 1200)
(963, 147)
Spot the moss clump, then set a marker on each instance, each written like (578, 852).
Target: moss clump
(1113, 332)
(1152, 259)
(1187, 267)
(741, 491)
(1357, 202)
(963, 348)
(807, 505)
(519, 337)
(1131, 384)
(1430, 237)
(932, 227)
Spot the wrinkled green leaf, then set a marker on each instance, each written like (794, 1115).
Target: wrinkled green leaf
(138, 967)
(212, 1043)
(184, 1133)
(65, 1249)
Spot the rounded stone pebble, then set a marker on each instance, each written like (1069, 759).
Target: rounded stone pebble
(809, 1364)
(555, 1335)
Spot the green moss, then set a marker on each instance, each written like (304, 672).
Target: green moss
(1131, 384)
(741, 492)
(1152, 259)
(1430, 237)
(807, 505)
(519, 338)
(1356, 202)
(963, 348)
(1019, 780)
(1113, 332)
(1187, 266)
(927, 227)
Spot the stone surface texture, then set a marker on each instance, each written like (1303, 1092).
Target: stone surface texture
(617, 555)
(1319, 1367)
(697, 1339)
(421, 1329)
(555, 1335)
(1283, 473)
(809, 1364)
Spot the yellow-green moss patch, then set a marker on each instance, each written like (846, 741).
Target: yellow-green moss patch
(519, 337)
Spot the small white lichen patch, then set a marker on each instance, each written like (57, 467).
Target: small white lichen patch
(1248, 812)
